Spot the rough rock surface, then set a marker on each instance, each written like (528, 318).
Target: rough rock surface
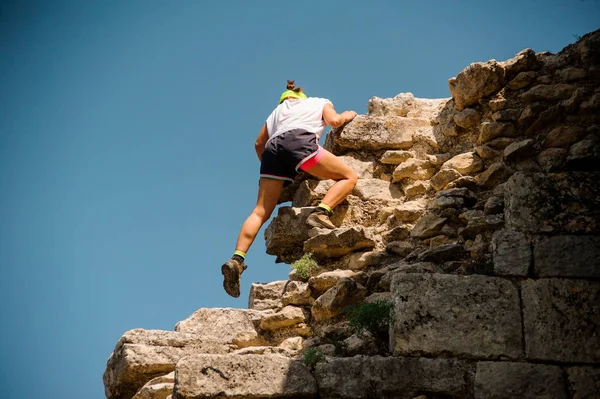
(141, 355)
(391, 377)
(562, 319)
(518, 380)
(431, 310)
(247, 376)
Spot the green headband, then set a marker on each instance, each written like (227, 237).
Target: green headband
(291, 93)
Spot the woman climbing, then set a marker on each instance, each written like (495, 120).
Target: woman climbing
(287, 142)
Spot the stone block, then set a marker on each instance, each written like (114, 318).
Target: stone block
(226, 325)
(561, 320)
(141, 355)
(567, 256)
(392, 377)
(512, 253)
(518, 381)
(584, 382)
(553, 202)
(379, 133)
(265, 296)
(467, 316)
(243, 376)
(339, 242)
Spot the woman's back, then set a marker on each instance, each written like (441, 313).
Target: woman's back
(304, 114)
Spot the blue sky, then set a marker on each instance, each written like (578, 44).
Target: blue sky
(127, 163)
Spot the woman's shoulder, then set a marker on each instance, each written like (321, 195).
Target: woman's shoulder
(319, 100)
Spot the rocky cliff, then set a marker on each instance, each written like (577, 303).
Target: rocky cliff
(477, 217)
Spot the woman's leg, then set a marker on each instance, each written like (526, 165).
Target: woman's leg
(331, 167)
(268, 195)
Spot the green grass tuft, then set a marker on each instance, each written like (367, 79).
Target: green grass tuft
(305, 266)
(312, 356)
(370, 316)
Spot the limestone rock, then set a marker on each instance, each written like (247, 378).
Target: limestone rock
(543, 92)
(366, 377)
(494, 175)
(339, 242)
(346, 292)
(486, 152)
(310, 192)
(491, 130)
(500, 143)
(506, 115)
(296, 293)
(406, 105)
(572, 74)
(415, 188)
(494, 205)
(477, 81)
(243, 376)
(584, 382)
(512, 253)
(369, 189)
(518, 149)
(265, 296)
(324, 281)
(563, 136)
(287, 231)
(443, 253)
(395, 157)
(286, 317)
(409, 211)
(518, 380)
(567, 256)
(551, 159)
(467, 118)
(226, 325)
(360, 344)
(362, 260)
(465, 164)
(380, 133)
(525, 60)
(561, 320)
(547, 118)
(431, 310)
(497, 104)
(428, 226)
(480, 223)
(364, 169)
(553, 203)
(444, 177)
(141, 355)
(417, 169)
(523, 79)
(157, 388)
(400, 248)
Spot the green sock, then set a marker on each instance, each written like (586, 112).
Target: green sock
(240, 256)
(323, 208)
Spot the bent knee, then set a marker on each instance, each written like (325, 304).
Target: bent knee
(352, 177)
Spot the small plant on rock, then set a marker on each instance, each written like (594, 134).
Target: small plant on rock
(370, 316)
(305, 266)
(311, 356)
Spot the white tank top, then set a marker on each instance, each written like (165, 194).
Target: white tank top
(306, 114)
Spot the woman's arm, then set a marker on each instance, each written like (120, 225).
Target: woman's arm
(261, 140)
(333, 119)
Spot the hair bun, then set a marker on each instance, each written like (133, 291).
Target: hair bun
(291, 85)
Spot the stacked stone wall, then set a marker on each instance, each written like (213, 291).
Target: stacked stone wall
(477, 216)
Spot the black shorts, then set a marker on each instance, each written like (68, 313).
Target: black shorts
(286, 153)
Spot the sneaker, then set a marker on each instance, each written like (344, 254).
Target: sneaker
(232, 271)
(320, 220)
